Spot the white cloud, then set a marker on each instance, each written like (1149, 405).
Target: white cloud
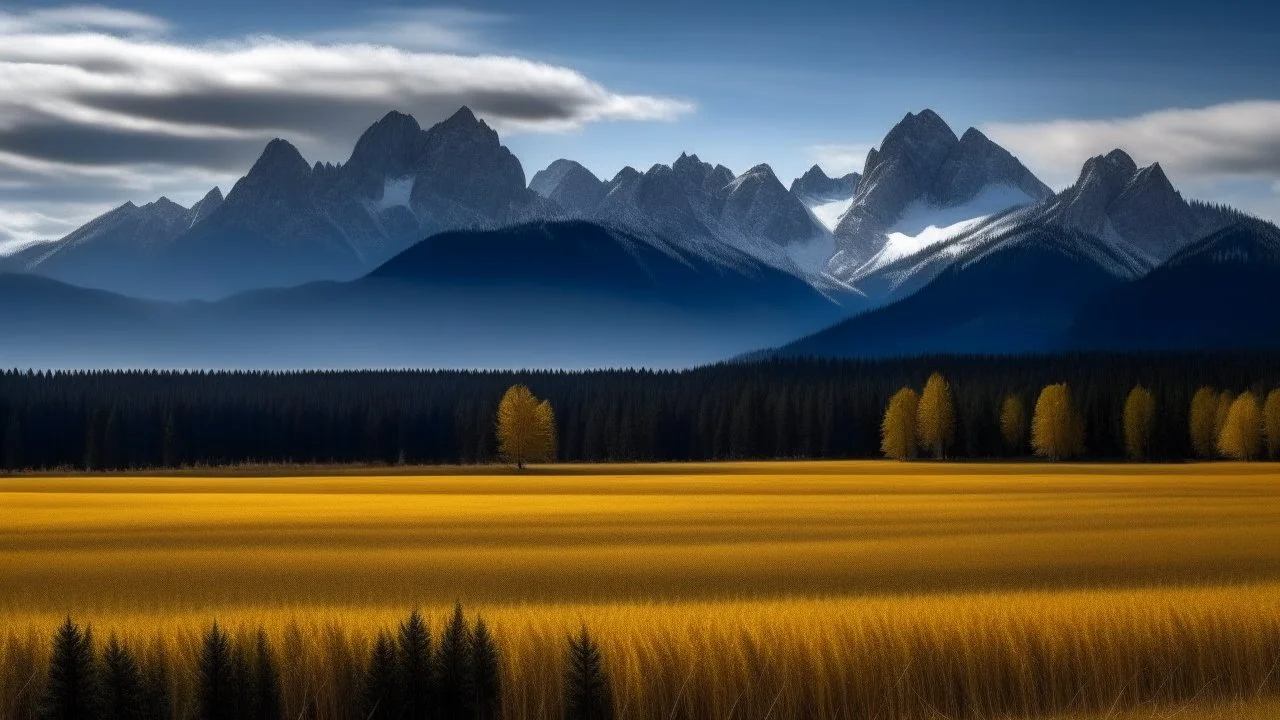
(96, 102)
(443, 29)
(80, 17)
(838, 160)
(19, 228)
(1199, 146)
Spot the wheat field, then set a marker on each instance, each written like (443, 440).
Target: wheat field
(858, 590)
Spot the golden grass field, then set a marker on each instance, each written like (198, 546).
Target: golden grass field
(858, 589)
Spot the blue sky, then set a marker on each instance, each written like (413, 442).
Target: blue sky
(1191, 85)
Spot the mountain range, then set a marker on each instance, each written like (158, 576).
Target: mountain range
(427, 248)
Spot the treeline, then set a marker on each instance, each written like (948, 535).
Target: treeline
(1220, 424)
(779, 409)
(407, 675)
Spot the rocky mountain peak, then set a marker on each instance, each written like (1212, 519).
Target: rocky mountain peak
(816, 185)
(1121, 159)
(465, 122)
(568, 184)
(389, 147)
(923, 139)
(691, 171)
(626, 174)
(280, 161)
(210, 202)
(976, 162)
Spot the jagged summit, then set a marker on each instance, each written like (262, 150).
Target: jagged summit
(923, 176)
(815, 187)
(280, 161)
(388, 145)
(569, 185)
(462, 117)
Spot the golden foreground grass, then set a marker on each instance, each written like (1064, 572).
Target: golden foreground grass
(859, 590)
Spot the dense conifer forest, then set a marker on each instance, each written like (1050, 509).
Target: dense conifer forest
(780, 409)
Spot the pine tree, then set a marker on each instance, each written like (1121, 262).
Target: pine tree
(121, 684)
(1139, 423)
(382, 693)
(486, 680)
(72, 690)
(587, 694)
(1057, 431)
(936, 417)
(1203, 421)
(1013, 424)
(157, 695)
(1241, 436)
(217, 692)
(266, 702)
(454, 666)
(1271, 423)
(417, 671)
(242, 679)
(898, 430)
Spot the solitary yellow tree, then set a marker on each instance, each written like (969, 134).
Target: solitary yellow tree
(1013, 424)
(1057, 431)
(526, 428)
(936, 417)
(898, 431)
(1241, 436)
(1204, 430)
(1271, 422)
(1139, 418)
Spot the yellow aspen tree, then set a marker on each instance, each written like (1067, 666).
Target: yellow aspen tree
(898, 431)
(1203, 421)
(1241, 436)
(519, 427)
(936, 417)
(1139, 422)
(545, 450)
(1057, 431)
(1013, 424)
(1225, 398)
(1271, 423)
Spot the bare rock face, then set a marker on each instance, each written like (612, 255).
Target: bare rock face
(757, 205)
(704, 208)
(975, 163)
(1115, 199)
(815, 187)
(569, 185)
(922, 161)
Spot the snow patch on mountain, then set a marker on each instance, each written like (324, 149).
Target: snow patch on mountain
(924, 225)
(829, 213)
(396, 192)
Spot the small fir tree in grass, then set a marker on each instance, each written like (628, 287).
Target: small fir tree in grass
(587, 695)
(486, 681)
(453, 664)
(417, 671)
(120, 684)
(217, 699)
(381, 686)
(157, 694)
(267, 704)
(72, 689)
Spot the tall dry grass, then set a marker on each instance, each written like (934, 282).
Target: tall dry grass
(1083, 592)
(986, 655)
